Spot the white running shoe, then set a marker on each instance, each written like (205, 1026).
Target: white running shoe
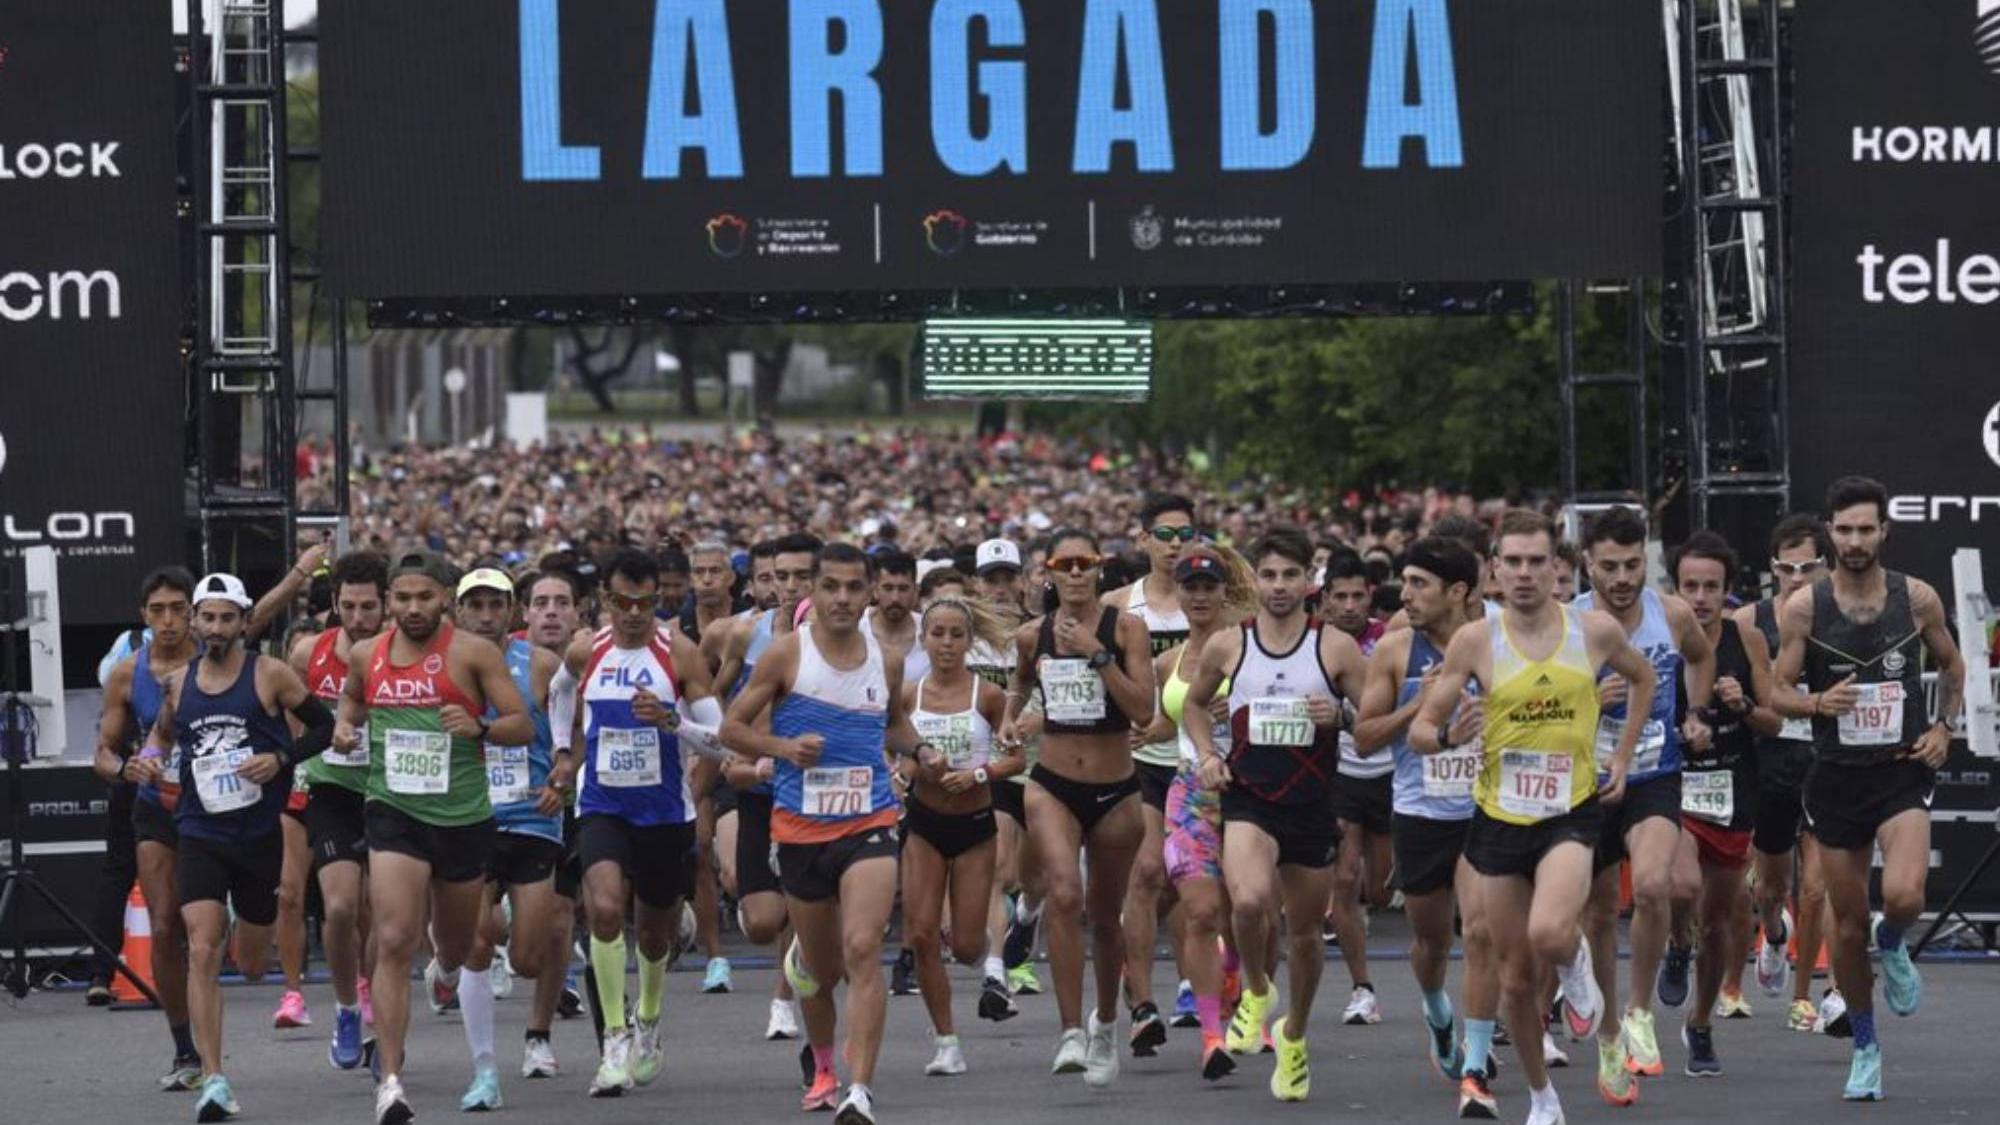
(391, 1107)
(1774, 969)
(539, 1060)
(1071, 1050)
(1362, 1008)
(1583, 1001)
(857, 1108)
(1552, 1052)
(784, 1021)
(614, 1071)
(1100, 1065)
(949, 1060)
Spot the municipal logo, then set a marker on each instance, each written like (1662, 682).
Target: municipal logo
(1986, 34)
(1146, 229)
(725, 235)
(944, 232)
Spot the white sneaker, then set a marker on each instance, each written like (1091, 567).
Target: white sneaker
(684, 938)
(949, 1060)
(1362, 1008)
(1071, 1051)
(1583, 1001)
(1552, 1052)
(1544, 1115)
(391, 1107)
(539, 1060)
(502, 974)
(614, 1070)
(647, 1057)
(1774, 969)
(1100, 1064)
(784, 1021)
(857, 1108)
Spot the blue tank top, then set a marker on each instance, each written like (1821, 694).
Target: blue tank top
(848, 789)
(145, 704)
(760, 640)
(631, 769)
(1658, 752)
(516, 774)
(1432, 786)
(215, 734)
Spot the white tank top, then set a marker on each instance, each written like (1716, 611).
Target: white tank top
(1166, 629)
(965, 738)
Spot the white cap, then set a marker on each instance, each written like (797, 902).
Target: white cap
(997, 553)
(222, 587)
(926, 566)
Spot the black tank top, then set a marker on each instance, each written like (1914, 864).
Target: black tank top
(1734, 747)
(1114, 720)
(1884, 657)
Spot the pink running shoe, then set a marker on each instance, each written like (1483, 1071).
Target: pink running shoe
(292, 1012)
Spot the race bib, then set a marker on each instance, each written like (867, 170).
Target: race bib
(840, 791)
(1797, 730)
(506, 774)
(1071, 691)
(1534, 784)
(1645, 756)
(628, 757)
(1709, 795)
(359, 757)
(1279, 722)
(952, 736)
(419, 762)
(1448, 776)
(220, 788)
(1877, 718)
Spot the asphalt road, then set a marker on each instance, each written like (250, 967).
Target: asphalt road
(63, 1062)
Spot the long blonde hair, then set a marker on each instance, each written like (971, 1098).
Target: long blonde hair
(984, 621)
(1239, 582)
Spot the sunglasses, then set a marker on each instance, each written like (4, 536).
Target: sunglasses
(1169, 534)
(1796, 569)
(1074, 564)
(629, 605)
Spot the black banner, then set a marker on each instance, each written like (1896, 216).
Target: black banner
(90, 433)
(544, 147)
(1896, 201)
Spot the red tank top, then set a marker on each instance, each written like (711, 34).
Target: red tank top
(326, 672)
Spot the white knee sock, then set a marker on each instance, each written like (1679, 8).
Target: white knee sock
(475, 1003)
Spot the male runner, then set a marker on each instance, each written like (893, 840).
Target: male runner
(1290, 683)
(835, 703)
(418, 689)
(528, 848)
(1433, 809)
(554, 616)
(131, 704)
(1537, 815)
(1799, 553)
(710, 578)
(1646, 825)
(1362, 794)
(226, 715)
(1858, 639)
(891, 619)
(336, 824)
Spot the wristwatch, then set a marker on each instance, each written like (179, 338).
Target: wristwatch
(1103, 658)
(981, 776)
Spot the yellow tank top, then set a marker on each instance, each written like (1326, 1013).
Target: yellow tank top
(1173, 693)
(1541, 729)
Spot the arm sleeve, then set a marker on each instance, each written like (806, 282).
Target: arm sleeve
(700, 726)
(562, 707)
(313, 714)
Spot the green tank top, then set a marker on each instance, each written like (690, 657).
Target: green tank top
(415, 767)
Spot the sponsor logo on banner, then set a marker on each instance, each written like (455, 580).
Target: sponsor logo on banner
(944, 232)
(725, 235)
(1146, 228)
(1990, 434)
(1986, 34)
(72, 534)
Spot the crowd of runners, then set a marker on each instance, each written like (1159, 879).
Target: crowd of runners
(494, 768)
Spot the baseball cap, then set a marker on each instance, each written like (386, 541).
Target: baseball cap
(997, 554)
(222, 587)
(926, 566)
(430, 564)
(485, 578)
(1199, 566)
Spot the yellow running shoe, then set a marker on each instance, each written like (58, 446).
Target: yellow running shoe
(1732, 1006)
(1614, 1082)
(1641, 1045)
(1291, 1080)
(1246, 1027)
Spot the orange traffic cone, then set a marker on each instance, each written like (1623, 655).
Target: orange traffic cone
(137, 954)
(1820, 963)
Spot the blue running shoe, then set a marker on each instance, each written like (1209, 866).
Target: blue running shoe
(217, 1101)
(1902, 985)
(484, 1093)
(1185, 1014)
(1864, 1077)
(345, 1050)
(1672, 984)
(718, 978)
(1447, 1055)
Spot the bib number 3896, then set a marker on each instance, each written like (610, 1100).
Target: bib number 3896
(419, 762)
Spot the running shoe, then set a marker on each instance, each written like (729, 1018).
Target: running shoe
(1018, 946)
(484, 1094)
(538, 1060)
(1216, 1061)
(1149, 1031)
(217, 1101)
(1642, 1045)
(646, 1054)
(1072, 1047)
(1582, 1000)
(1774, 969)
(1475, 1098)
(1246, 1028)
(994, 1002)
(1804, 1016)
(903, 979)
(1732, 1006)
(684, 935)
(1100, 1061)
(1614, 1080)
(443, 995)
(391, 1107)
(1551, 1114)
(183, 1074)
(98, 995)
(1553, 1054)
(501, 976)
(858, 1108)
(291, 1012)
(1833, 1015)
(949, 1059)
(614, 1070)
(344, 1052)
(784, 1021)
(1700, 1042)
(1362, 1008)
(364, 995)
(1672, 985)
(718, 979)
(1022, 981)
(1902, 984)
(1291, 1079)
(823, 1094)
(1864, 1075)
(570, 1005)
(1185, 1012)
(1502, 1036)
(1328, 932)
(803, 985)
(1446, 1054)
(808, 1068)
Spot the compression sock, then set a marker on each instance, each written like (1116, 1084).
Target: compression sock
(607, 964)
(652, 984)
